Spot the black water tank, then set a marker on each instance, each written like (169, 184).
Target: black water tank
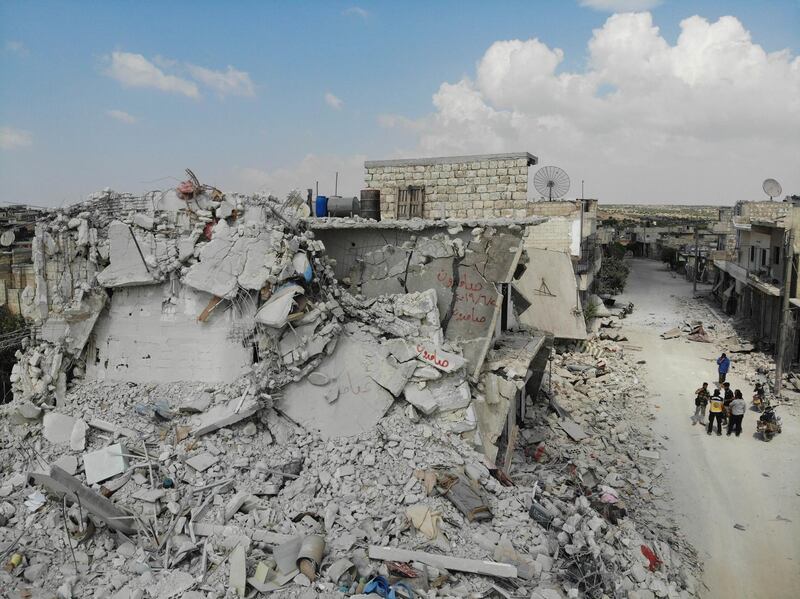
(371, 204)
(339, 206)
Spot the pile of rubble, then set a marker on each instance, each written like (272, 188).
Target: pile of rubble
(358, 447)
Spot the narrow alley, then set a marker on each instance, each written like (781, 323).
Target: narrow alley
(717, 482)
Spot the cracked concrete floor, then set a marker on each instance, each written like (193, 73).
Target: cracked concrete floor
(717, 482)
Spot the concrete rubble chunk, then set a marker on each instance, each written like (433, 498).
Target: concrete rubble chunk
(237, 580)
(360, 403)
(128, 255)
(221, 416)
(202, 461)
(105, 463)
(61, 484)
(77, 439)
(443, 561)
(58, 428)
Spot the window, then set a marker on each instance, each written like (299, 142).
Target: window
(410, 201)
(752, 254)
(764, 257)
(776, 255)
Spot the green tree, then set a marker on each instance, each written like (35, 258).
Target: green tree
(612, 276)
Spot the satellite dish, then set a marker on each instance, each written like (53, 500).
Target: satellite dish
(7, 238)
(772, 188)
(551, 181)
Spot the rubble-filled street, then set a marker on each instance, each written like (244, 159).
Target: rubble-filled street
(737, 499)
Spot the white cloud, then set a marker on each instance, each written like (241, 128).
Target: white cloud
(16, 47)
(134, 70)
(703, 120)
(12, 138)
(121, 116)
(303, 175)
(333, 101)
(229, 82)
(356, 11)
(620, 5)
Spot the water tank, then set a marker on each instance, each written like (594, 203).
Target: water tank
(371, 204)
(339, 206)
(321, 207)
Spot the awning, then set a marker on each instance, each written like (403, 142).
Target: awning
(733, 269)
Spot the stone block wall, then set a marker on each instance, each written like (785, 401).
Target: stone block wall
(482, 186)
(555, 235)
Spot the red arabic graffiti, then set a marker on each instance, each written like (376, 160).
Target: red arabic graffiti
(468, 316)
(477, 299)
(431, 357)
(463, 281)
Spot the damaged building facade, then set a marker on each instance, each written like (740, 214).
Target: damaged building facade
(229, 398)
(751, 280)
(563, 242)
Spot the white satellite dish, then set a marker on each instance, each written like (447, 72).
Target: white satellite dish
(772, 188)
(7, 238)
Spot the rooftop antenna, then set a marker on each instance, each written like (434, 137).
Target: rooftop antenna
(551, 182)
(772, 188)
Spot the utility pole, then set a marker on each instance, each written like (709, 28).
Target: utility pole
(696, 259)
(783, 329)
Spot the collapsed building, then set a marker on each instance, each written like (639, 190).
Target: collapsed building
(224, 398)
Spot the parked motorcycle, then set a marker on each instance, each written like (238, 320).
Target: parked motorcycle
(626, 310)
(769, 424)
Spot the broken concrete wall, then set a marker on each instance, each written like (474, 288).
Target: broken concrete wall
(465, 265)
(547, 297)
(151, 334)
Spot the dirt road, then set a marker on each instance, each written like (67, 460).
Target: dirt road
(717, 482)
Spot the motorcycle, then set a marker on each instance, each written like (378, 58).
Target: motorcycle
(769, 424)
(626, 310)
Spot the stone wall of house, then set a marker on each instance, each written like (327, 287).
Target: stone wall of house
(482, 186)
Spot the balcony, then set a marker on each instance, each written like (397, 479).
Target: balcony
(590, 255)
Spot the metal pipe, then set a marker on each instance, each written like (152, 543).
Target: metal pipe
(783, 329)
(696, 259)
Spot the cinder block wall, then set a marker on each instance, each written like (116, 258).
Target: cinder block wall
(482, 186)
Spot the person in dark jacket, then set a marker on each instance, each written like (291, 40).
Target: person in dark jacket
(723, 366)
(701, 397)
(727, 398)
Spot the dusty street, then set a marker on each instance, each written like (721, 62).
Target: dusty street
(717, 482)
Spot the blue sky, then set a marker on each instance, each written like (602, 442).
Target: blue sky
(376, 58)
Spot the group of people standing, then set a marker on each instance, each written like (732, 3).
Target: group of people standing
(724, 405)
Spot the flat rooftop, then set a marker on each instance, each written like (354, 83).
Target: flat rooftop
(531, 159)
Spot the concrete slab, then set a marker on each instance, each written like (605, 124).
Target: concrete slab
(57, 428)
(104, 463)
(127, 266)
(361, 402)
(237, 580)
(150, 334)
(202, 461)
(229, 261)
(224, 415)
(550, 289)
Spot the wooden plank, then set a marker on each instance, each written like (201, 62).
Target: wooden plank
(447, 562)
